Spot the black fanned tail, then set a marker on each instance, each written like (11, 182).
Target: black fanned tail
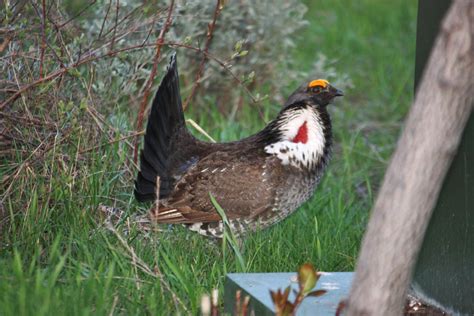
(166, 118)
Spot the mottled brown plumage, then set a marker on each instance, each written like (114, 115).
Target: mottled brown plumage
(258, 180)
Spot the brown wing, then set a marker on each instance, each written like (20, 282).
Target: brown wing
(241, 184)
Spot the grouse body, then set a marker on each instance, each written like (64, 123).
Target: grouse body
(258, 180)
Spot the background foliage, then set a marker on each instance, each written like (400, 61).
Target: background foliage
(66, 142)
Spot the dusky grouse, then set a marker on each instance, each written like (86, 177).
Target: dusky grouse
(258, 180)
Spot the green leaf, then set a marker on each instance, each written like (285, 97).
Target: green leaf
(187, 40)
(83, 104)
(238, 46)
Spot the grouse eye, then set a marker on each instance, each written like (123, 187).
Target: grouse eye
(316, 89)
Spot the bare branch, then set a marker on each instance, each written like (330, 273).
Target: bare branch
(43, 37)
(105, 19)
(112, 142)
(210, 30)
(223, 64)
(117, 8)
(81, 12)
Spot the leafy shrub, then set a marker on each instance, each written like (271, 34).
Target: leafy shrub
(82, 69)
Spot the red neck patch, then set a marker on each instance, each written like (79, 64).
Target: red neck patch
(302, 135)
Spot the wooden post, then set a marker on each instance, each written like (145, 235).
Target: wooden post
(414, 177)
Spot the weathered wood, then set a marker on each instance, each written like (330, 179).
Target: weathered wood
(414, 177)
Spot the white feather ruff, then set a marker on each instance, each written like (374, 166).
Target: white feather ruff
(299, 154)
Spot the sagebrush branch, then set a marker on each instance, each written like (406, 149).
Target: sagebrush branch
(92, 57)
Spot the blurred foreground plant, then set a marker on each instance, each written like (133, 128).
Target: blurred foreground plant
(308, 276)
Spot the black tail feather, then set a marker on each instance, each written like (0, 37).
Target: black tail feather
(166, 118)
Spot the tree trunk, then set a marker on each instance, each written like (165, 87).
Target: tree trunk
(414, 177)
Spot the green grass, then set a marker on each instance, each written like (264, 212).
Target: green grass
(56, 258)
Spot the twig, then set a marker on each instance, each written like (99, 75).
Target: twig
(223, 64)
(152, 24)
(115, 25)
(124, 19)
(6, 41)
(49, 77)
(210, 30)
(43, 38)
(24, 119)
(105, 19)
(16, 8)
(78, 14)
(159, 44)
(44, 42)
(112, 142)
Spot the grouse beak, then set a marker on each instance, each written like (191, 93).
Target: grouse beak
(337, 92)
(332, 93)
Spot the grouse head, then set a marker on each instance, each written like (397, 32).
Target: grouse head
(319, 91)
(301, 134)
